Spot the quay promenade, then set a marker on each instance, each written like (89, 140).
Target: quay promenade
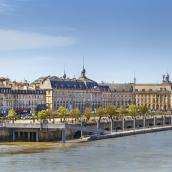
(47, 130)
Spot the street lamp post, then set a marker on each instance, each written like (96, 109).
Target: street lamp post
(97, 126)
(111, 126)
(81, 128)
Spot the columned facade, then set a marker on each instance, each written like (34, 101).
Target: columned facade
(73, 93)
(154, 96)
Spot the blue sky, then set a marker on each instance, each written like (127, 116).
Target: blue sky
(116, 37)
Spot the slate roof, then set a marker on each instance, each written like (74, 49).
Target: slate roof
(121, 87)
(82, 83)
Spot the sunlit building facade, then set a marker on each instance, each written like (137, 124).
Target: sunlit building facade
(122, 94)
(51, 92)
(73, 93)
(154, 96)
(20, 96)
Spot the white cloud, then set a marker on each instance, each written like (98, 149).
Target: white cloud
(17, 40)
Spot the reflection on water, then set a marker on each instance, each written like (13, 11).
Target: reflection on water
(141, 153)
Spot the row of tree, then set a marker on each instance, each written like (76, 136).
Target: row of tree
(111, 112)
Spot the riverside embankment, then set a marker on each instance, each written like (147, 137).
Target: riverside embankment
(30, 131)
(37, 147)
(128, 133)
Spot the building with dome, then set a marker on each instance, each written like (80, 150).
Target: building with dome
(73, 93)
(52, 92)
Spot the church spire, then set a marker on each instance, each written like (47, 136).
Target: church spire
(134, 79)
(64, 74)
(83, 72)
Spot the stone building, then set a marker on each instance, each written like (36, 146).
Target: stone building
(52, 92)
(5, 99)
(122, 94)
(154, 96)
(73, 93)
(27, 100)
(20, 96)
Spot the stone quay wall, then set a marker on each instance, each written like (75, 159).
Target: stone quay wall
(48, 133)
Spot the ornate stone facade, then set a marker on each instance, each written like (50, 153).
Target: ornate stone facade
(122, 94)
(20, 96)
(21, 100)
(73, 93)
(154, 96)
(82, 92)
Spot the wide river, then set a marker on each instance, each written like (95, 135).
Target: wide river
(141, 153)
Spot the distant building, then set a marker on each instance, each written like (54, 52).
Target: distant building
(122, 94)
(27, 100)
(155, 96)
(5, 99)
(20, 96)
(52, 92)
(73, 93)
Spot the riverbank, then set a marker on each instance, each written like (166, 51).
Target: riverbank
(146, 152)
(36, 147)
(129, 133)
(47, 131)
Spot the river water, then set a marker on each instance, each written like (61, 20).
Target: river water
(142, 153)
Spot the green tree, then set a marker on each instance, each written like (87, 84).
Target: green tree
(111, 111)
(122, 111)
(88, 113)
(75, 113)
(133, 110)
(12, 115)
(43, 114)
(143, 110)
(62, 112)
(101, 112)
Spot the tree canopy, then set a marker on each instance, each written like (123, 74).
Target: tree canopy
(43, 114)
(62, 112)
(88, 113)
(75, 113)
(133, 110)
(122, 111)
(12, 114)
(101, 112)
(111, 111)
(143, 110)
